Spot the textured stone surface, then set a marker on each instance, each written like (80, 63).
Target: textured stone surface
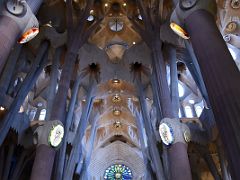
(116, 152)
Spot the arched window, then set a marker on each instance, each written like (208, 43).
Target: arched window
(116, 25)
(198, 110)
(180, 90)
(188, 111)
(118, 172)
(90, 18)
(31, 114)
(179, 113)
(42, 115)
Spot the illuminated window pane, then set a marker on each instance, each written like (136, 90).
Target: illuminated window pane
(199, 110)
(180, 90)
(233, 53)
(188, 112)
(139, 17)
(116, 25)
(179, 113)
(90, 18)
(118, 172)
(42, 115)
(31, 114)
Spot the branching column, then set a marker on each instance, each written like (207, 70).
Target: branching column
(220, 74)
(77, 152)
(53, 81)
(137, 69)
(77, 36)
(174, 80)
(27, 84)
(9, 70)
(179, 166)
(12, 26)
(69, 118)
(84, 172)
(146, 158)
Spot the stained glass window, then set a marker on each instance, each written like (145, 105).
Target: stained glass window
(188, 112)
(118, 172)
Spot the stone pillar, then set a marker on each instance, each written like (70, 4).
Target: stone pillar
(220, 74)
(74, 44)
(62, 152)
(34, 5)
(12, 25)
(58, 112)
(223, 162)
(176, 139)
(174, 81)
(177, 153)
(77, 152)
(2, 156)
(45, 151)
(39, 63)
(90, 145)
(8, 161)
(37, 115)
(152, 142)
(53, 81)
(193, 66)
(146, 158)
(182, 110)
(44, 157)
(193, 110)
(9, 69)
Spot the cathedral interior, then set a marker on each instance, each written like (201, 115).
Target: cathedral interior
(119, 89)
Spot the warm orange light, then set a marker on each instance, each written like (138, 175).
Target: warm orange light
(2, 108)
(179, 31)
(28, 35)
(116, 81)
(116, 112)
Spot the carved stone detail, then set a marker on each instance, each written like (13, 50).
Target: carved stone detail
(181, 132)
(42, 132)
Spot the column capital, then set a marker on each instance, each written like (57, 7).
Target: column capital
(173, 131)
(25, 18)
(49, 133)
(186, 7)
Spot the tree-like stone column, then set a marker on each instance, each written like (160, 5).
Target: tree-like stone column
(77, 37)
(13, 24)
(149, 31)
(45, 152)
(220, 74)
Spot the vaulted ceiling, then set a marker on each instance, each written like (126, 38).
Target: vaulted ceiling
(114, 45)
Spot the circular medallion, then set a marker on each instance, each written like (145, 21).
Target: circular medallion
(187, 4)
(118, 172)
(28, 35)
(179, 30)
(235, 4)
(166, 133)
(56, 135)
(187, 136)
(231, 27)
(16, 8)
(227, 38)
